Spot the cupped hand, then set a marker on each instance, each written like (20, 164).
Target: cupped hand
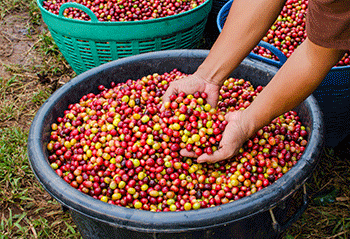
(190, 85)
(233, 137)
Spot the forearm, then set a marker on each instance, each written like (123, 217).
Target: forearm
(292, 84)
(246, 24)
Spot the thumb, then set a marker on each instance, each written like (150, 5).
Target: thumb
(213, 100)
(218, 155)
(189, 154)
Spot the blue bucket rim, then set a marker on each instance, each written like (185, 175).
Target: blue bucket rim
(219, 24)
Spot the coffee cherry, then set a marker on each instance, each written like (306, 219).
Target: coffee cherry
(288, 32)
(119, 148)
(123, 10)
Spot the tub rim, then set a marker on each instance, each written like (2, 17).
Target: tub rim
(147, 221)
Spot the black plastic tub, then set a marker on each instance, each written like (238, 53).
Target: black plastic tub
(265, 214)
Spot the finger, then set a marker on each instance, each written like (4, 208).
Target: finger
(212, 100)
(220, 154)
(189, 154)
(230, 115)
(166, 96)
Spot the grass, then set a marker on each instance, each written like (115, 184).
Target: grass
(9, 6)
(28, 211)
(14, 167)
(40, 97)
(25, 213)
(328, 214)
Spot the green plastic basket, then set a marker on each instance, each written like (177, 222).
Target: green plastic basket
(87, 44)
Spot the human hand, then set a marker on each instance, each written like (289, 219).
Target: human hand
(190, 85)
(233, 137)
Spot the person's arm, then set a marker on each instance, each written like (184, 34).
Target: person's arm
(293, 83)
(246, 23)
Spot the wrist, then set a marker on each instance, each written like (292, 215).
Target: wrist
(250, 122)
(208, 75)
(244, 122)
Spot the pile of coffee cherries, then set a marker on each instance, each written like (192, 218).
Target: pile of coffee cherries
(119, 147)
(288, 31)
(123, 10)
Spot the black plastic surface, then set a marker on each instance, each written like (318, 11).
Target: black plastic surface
(248, 217)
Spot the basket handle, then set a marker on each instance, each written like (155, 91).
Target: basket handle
(279, 228)
(274, 50)
(64, 6)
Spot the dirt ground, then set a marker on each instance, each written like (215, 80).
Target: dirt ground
(15, 43)
(21, 56)
(33, 74)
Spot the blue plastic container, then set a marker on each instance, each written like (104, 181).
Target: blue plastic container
(333, 94)
(220, 21)
(217, 5)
